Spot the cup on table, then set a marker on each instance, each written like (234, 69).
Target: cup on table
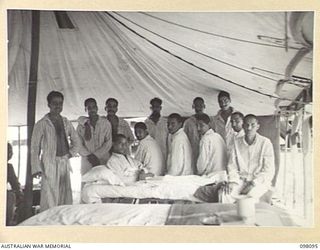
(246, 209)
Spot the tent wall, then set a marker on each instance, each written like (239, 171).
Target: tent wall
(103, 58)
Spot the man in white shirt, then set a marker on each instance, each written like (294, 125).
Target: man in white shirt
(179, 160)
(221, 122)
(190, 127)
(148, 151)
(157, 125)
(251, 165)
(237, 126)
(212, 150)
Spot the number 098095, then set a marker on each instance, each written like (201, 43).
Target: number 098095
(309, 246)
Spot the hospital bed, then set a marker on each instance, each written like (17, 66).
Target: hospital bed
(161, 189)
(155, 215)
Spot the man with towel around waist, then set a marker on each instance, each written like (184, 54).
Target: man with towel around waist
(50, 153)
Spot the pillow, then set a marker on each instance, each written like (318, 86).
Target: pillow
(102, 174)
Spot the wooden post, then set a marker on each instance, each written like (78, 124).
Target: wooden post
(26, 209)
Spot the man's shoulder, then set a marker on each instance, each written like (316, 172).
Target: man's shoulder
(67, 121)
(190, 120)
(43, 120)
(213, 136)
(65, 118)
(122, 121)
(147, 120)
(163, 119)
(104, 120)
(180, 136)
(149, 140)
(263, 139)
(114, 157)
(239, 139)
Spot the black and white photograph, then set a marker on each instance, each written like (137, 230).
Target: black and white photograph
(153, 118)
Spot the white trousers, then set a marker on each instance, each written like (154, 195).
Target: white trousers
(256, 192)
(56, 186)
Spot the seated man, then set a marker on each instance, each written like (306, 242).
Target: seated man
(212, 149)
(14, 193)
(251, 164)
(179, 160)
(124, 166)
(148, 152)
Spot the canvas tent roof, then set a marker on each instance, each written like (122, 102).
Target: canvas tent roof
(136, 56)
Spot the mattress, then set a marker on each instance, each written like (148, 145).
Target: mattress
(155, 215)
(163, 187)
(102, 214)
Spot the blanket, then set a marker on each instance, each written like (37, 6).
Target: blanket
(162, 187)
(101, 214)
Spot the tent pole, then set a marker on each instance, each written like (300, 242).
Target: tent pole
(32, 94)
(19, 151)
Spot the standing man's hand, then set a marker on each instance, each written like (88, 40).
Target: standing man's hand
(227, 187)
(143, 175)
(247, 188)
(94, 160)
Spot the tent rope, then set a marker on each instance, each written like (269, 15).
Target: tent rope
(196, 51)
(215, 34)
(202, 69)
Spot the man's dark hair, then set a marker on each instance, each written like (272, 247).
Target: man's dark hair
(239, 114)
(203, 117)
(198, 99)
(224, 93)
(251, 116)
(54, 94)
(141, 125)
(89, 100)
(112, 100)
(175, 116)
(156, 100)
(118, 137)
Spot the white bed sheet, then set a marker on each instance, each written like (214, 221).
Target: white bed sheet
(163, 187)
(102, 214)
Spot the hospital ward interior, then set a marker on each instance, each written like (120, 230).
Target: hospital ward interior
(159, 118)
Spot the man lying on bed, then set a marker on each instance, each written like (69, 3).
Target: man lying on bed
(120, 178)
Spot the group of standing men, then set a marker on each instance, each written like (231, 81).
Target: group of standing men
(200, 145)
